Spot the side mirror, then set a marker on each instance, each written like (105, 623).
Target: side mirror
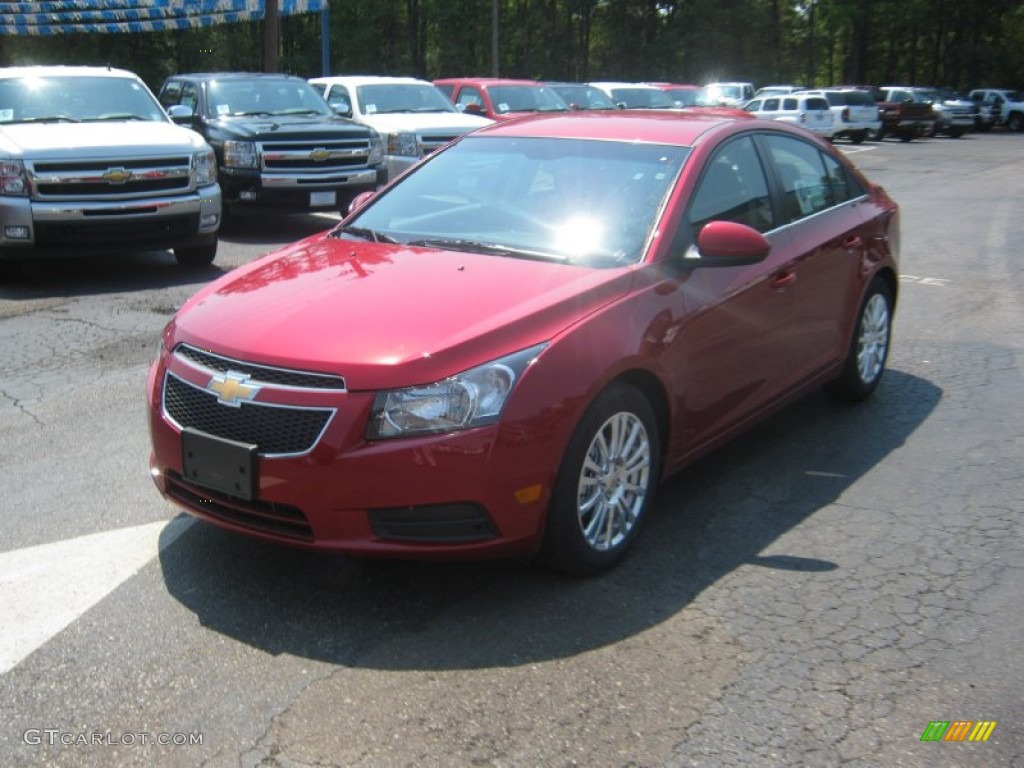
(727, 244)
(360, 200)
(474, 109)
(180, 114)
(342, 109)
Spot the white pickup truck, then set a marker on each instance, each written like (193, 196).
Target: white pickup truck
(412, 116)
(999, 106)
(91, 164)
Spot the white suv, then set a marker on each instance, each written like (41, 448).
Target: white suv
(412, 116)
(808, 111)
(728, 94)
(854, 112)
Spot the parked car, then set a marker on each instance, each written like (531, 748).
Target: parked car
(778, 90)
(581, 96)
(683, 95)
(504, 351)
(854, 113)
(279, 146)
(954, 114)
(728, 94)
(412, 116)
(807, 111)
(501, 99)
(90, 164)
(904, 112)
(999, 106)
(636, 95)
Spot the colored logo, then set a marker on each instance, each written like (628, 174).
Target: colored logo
(231, 388)
(319, 154)
(958, 730)
(116, 176)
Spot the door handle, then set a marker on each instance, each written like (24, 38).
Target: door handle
(853, 243)
(784, 281)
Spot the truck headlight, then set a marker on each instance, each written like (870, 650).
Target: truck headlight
(376, 150)
(13, 179)
(473, 398)
(402, 143)
(204, 166)
(240, 154)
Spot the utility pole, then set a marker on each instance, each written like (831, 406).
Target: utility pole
(271, 35)
(494, 38)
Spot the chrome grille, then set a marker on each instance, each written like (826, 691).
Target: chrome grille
(299, 155)
(275, 430)
(262, 374)
(111, 179)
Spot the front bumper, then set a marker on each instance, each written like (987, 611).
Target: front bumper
(299, 191)
(38, 229)
(466, 495)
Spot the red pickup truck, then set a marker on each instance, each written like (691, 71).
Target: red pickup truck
(904, 113)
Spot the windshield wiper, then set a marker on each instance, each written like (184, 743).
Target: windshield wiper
(116, 116)
(364, 233)
(476, 246)
(296, 111)
(251, 113)
(48, 119)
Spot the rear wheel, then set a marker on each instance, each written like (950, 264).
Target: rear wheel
(857, 137)
(1015, 122)
(605, 485)
(199, 256)
(906, 135)
(869, 349)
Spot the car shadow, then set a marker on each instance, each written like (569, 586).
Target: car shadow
(719, 514)
(249, 227)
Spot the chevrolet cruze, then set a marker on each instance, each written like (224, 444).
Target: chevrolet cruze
(504, 352)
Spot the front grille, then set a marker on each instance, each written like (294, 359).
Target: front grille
(275, 430)
(298, 155)
(452, 523)
(277, 519)
(115, 228)
(261, 373)
(434, 142)
(76, 179)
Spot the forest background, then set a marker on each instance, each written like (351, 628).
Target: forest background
(956, 43)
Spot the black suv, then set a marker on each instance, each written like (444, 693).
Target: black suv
(278, 144)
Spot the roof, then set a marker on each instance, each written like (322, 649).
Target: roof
(63, 70)
(485, 81)
(358, 80)
(237, 76)
(654, 126)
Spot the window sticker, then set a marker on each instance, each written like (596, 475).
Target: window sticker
(6, 115)
(371, 109)
(503, 107)
(223, 109)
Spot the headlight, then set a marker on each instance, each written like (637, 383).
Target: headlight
(402, 143)
(204, 164)
(240, 154)
(13, 179)
(473, 398)
(376, 150)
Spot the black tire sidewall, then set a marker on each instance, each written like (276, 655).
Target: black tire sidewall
(849, 385)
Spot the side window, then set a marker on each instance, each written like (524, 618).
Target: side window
(770, 105)
(189, 96)
(733, 188)
(469, 95)
(811, 180)
(789, 104)
(171, 93)
(754, 106)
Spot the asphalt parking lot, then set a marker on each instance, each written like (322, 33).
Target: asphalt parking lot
(817, 593)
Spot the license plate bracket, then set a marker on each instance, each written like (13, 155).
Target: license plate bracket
(228, 466)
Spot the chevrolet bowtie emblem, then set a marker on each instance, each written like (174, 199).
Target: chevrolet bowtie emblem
(231, 388)
(319, 155)
(117, 176)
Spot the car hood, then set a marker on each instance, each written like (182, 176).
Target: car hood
(97, 140)
(287, 127)
(386, 316)
(454, 122)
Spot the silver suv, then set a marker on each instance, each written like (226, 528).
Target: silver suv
(90, 163)
(854, 112)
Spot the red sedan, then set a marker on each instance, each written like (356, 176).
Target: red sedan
(502, 353)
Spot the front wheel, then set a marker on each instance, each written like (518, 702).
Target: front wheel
(1015, 122)
(869, 349)
(605, 485)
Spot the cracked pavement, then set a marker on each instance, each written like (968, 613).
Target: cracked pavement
(813, 594)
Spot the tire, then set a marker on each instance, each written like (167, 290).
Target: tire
(956, 133)
(606, 484)
(869, 348)
(11, 270)
(1015, 122)
(199, 256)
(858, 137)
(906, 136)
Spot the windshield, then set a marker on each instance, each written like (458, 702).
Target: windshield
(579, 201)
(643, 98)
(259, 96)
(401, 97)
(76, 99)
(687, 97)
(584, 96)
(526, 98)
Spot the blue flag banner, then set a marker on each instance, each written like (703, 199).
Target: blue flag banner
(64, 17)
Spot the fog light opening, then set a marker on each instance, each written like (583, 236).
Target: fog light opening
(17, 232)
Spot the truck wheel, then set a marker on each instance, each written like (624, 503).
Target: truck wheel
(857, 137)
(1015, 122)
(199, 256)
(606, 483)
(906, 136)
